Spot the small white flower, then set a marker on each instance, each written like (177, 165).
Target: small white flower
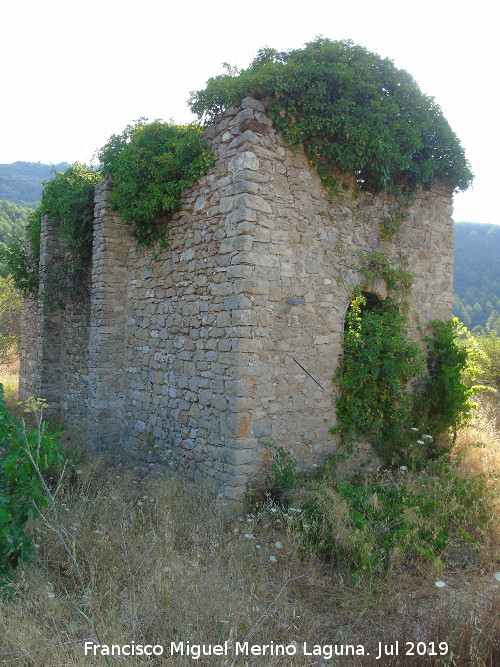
(278, 545)
(403, 468)
(167, 569)
(272, 559)
(97, 531)
(249, 536)
(51, 595)
(425, 435)
(421, 442)
(273, 509)
(439, 584)
(140, 503)
(79, 471)
(414, 429)
(257, 546)
(37, 546)
(497, 576)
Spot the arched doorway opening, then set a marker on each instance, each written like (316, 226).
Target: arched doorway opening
(378, 362)
(365, 301)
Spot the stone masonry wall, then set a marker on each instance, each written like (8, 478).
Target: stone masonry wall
(74, 361)
(107, 336)
(231, 336)
(29, 375)
(54, 343)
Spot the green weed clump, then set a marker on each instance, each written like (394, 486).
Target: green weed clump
(372, 523)
(444, 401)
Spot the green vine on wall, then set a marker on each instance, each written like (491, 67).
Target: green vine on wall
(350, 109)
(69, 201)
(379, 362)
(398, 211)
(397, 279)
(151, 164)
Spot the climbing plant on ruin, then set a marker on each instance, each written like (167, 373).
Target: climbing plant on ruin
(69, 201)
(347, 107)
(378, 362)
(350, 110)
(151, 164)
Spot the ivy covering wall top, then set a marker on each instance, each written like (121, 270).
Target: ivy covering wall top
(344, 105)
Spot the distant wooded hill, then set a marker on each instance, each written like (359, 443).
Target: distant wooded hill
(13, 219)
(476, 300)
(21, 182)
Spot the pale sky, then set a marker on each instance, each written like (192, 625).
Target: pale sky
(73, 73)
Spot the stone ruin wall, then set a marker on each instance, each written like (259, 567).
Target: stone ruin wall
(54, 344)
(231, 336)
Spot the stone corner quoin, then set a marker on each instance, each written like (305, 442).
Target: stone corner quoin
(231, 337)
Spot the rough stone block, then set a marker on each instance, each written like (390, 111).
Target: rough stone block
(252, 201)
(251, 103)
(243, 160)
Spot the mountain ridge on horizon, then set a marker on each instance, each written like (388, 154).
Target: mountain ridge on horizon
(21, 181)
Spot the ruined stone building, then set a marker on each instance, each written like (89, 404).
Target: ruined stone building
(230, 337)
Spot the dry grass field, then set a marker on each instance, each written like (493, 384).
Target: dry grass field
(133, 555)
